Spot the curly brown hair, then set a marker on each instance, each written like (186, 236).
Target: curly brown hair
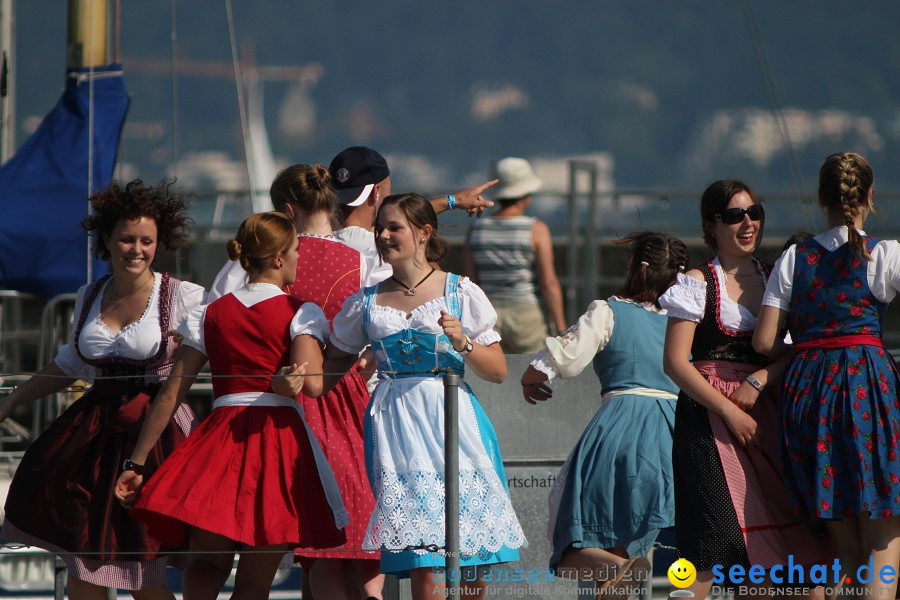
(132, 202)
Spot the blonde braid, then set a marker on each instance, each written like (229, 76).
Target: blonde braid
(844, 182)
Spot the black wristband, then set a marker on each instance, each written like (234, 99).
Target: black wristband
(131, 466)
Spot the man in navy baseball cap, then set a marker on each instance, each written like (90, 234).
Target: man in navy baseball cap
(362, 180)
(356, 171)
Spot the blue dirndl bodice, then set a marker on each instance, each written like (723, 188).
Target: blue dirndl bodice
(413, 352)
(405, 454)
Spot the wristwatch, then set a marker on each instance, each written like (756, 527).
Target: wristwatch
(467, 347)
(131, 466)
(755, 383)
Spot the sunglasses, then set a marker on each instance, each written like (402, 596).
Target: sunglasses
(732, 216)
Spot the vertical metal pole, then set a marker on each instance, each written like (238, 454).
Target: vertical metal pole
(572, 279)
(59, 579)
(451, 482)
(593, 269)
(7, 79)
(589, 292)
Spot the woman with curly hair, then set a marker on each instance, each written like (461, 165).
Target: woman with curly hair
(61, 496)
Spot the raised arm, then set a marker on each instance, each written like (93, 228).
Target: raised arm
(546, 274)
(188, 363)
(48, 380)
(469, 200)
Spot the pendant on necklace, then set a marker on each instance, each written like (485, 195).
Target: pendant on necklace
(410, 292)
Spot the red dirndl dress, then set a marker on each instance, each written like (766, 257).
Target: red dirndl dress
(251, 473)
(327, 273)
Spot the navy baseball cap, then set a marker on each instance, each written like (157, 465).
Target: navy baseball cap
(354, 172)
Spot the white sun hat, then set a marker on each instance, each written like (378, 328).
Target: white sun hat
(517, 179)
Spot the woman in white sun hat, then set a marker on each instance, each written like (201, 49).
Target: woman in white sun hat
(510, 256)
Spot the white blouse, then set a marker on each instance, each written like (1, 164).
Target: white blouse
(687, 300)
(248, 295)
(477, 318)
(882, 272)
(567, 355)
(363, 241)
(138, 341)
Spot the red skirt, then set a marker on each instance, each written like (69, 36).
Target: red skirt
(62, 492)
(246, 473)
(336, 419)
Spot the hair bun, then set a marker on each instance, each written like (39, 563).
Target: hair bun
(318, 178)
(234, 249)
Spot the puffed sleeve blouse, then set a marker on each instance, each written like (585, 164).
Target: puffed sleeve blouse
(309, 319)
(137, 341)
(477, 318)
(686, 299)
(567, 355)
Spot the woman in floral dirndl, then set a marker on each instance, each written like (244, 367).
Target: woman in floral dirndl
(839, 404)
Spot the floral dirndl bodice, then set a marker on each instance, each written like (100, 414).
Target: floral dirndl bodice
(831, 295)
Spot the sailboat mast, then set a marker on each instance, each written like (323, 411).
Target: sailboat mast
(87, 34)
(86, 48)
(7, 76)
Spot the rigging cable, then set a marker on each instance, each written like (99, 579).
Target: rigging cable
(90, 174)
(239, 82)
(174, 44)
(765, 66)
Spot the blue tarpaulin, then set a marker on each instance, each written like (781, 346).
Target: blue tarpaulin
(44, 186)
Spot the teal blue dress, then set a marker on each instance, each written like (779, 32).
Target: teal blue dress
(616, 487)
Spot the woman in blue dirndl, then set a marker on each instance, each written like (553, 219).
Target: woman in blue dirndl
(840, 408)
(616, 491)
(420, 323)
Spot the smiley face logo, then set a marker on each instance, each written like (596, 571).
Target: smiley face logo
(682, 573)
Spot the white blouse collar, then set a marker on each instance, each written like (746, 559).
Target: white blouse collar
(835, 237)
(252, 293)
(645, 305)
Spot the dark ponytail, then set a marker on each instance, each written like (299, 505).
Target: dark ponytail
(654, 261)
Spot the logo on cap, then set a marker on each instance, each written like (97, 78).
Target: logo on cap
(343, 175)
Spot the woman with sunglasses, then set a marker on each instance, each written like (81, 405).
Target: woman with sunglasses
(731, 507)
(839, 397)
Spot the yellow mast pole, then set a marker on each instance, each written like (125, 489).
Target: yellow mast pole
(7, 78)
(87, 35)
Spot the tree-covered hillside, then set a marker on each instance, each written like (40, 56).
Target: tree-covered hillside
(672, 90)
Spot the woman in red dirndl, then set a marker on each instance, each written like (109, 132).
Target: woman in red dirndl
(252, 476)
